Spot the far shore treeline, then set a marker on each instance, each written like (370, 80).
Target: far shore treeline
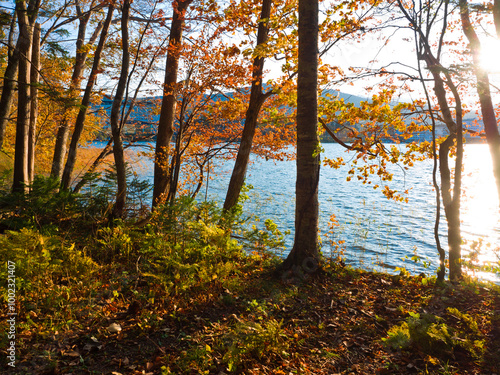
(142, 122)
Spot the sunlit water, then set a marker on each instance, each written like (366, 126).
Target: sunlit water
(378, 233)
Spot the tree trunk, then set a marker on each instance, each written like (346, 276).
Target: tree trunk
(168, 105)
(115, 124)
(82, 113)
(175, 167)
(63, 130)
(483, 88)
(304, 256)
(496, 16)
(451, 208)
(180, 147)
(257, 99)
(21, 179)
(9, 82)
(34, 78)
(451, 201)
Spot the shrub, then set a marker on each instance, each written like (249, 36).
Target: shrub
(187, 245)
(251, 339)
(52, 278)
(430, 334)
(41, 260)
(44, 207)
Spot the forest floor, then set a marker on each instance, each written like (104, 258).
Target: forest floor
(340, 321)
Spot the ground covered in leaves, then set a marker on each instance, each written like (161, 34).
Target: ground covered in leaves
(190, 291)
(339, 321)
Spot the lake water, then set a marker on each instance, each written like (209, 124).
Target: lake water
(378, 233)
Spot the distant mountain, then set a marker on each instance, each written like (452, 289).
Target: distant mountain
(143, 119)
(349, 98)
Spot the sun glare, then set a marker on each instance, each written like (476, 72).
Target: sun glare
(490, 55)
(481, 218)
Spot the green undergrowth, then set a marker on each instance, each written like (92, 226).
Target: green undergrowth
(65, 277)
(434, 336)
(194, 291)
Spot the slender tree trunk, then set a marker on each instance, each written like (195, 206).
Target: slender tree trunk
(9, 82)
(63, 130)
(168, 105)
(82, 113)
(116, 127)
(435, 167)
(483, 87)
(451, 197)
(304, 255)
(257, 99)
(34, 78)
(21, 179)
(175, 167)
(455, 239)
(451, 207)
(451, 201)
(12, 29)
(181, 144)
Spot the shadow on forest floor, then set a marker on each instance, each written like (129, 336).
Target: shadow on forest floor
(339, 321)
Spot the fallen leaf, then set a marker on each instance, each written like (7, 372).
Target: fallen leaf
(72, 353)
(114, 328)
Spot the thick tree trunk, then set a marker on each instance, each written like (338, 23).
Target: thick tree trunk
(9, 83)
(483, 88)
(21, 178)
(168, 105)
(257, 99)
(304, 256)
(82, 113)
(60, 148)
(115, 123)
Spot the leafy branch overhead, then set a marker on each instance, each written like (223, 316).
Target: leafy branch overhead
(117, 274)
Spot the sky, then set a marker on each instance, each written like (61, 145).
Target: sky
(362, 51)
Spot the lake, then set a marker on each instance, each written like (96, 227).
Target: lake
(378, 233)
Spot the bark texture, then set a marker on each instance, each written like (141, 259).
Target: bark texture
(21, 179)
(257, 98)
(82, 113)
(34, 78)
(115, 122)
(168, 105)
(81, 54)
(304, 256)
(9, 82)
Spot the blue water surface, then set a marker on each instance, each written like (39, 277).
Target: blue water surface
(378, 233)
